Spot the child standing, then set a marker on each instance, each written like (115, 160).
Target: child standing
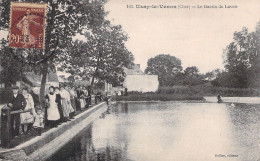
(38, 122)
(27, 117)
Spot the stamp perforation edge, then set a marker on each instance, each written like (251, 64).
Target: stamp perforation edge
(32, 5)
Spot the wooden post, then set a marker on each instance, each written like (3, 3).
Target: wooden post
(96, 101)
(92, 99)
(6, 135)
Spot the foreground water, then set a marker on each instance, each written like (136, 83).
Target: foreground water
(169, 131)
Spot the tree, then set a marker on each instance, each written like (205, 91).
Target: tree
(237, 59)
(14, 72)
(13, 69)
(254, 57)
(191, 71)
(192, 76)
(165, 66)
(102, 56)
(71, 79)
(241, 60)
(209, 76)
(64, 20)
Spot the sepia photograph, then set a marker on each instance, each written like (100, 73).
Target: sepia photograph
(130, 80)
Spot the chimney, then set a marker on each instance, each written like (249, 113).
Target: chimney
(138, 65)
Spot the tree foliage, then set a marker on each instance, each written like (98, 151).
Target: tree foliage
(169, 71)
(165, 66)
(10, 73)
(209, 76)
(192, 76)
(242, 60)
(102, 56)
(64, 19)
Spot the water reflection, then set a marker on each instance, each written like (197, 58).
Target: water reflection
(246, 126)
(169, 131)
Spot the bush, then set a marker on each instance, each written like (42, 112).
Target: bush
(5, 94)
(208, 90)
(155, 97)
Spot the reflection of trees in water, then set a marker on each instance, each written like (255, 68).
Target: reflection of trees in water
(120, 108)
(124, 107)
(81, 148)
(77, 148)
(86, 148)
(116, 109)
(109, 153)
(245, 120)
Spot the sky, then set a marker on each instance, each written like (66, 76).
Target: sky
(196, 36)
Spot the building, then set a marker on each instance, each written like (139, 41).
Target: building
(137, 80)
(33, 80)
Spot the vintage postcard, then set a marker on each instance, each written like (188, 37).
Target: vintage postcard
(130, 80)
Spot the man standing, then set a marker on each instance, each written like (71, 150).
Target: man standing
(80, 96)
(16, 102)
(35, 97)
(90, 91)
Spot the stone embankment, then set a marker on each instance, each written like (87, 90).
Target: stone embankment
(42, 147)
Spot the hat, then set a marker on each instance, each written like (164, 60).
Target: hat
(25, 88)
(38, 107)
(15, 87)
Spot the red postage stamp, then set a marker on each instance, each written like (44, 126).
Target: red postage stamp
(27, 25)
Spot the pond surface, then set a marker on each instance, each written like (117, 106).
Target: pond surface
(169, 131)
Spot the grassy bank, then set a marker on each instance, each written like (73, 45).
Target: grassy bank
(155, 97)
(181, 93)
(209, 90)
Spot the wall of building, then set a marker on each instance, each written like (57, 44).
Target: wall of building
(141, 83)
(108, 88)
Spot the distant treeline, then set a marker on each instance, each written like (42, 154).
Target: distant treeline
(241, 60)
(208, 90)
(188, 93)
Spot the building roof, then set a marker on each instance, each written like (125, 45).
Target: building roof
(35, 79)
(52, 77)
(134, 71)
(32, 79)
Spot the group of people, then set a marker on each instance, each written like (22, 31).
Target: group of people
(26, 111)
(61, 103)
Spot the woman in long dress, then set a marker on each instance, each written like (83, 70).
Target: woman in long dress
(65, 101)
(52, 112)
(73, 97)
(27, 118)
(58, 101)
(71, 109)
(81, 98)
(86, 97)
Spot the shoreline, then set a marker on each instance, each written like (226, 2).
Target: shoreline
(180, 101)
(204, 99)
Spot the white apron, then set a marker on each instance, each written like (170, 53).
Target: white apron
(66, 104)
(28, 117)
(82, 103)
(38, 123)
(52, 111)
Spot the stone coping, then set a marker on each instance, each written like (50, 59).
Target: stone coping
(40, 141)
